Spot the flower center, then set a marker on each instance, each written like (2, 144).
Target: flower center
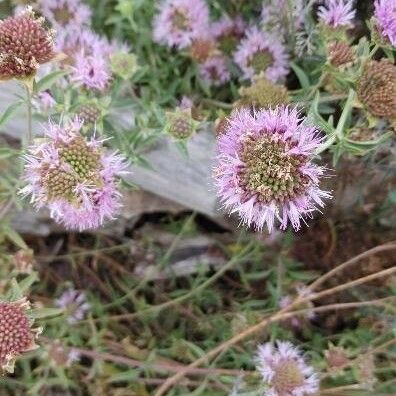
(270, 172)
(180, 19)
(63, 15)
(60, 184)
(261, 60)
(80, 157)
(228, 43)
(84, 163)
(287, 378)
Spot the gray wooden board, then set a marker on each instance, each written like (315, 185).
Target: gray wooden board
(184, 180)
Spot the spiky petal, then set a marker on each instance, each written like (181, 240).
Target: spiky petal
(265, 170)
(91, 71)
(337, 13)
(385, 18)
(75, 178)
(24, 45)
(179, 22)
(285, 371)
(260, 53)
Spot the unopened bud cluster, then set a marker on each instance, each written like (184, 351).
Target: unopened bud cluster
(25, 44)
(377, 88)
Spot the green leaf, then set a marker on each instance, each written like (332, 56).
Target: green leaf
(25, 284)
(15, 238)
(18, 290)
(301, 75)
(9, 112)
(47, 81)
(45, 312)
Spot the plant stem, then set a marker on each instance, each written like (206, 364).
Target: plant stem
(155, 309)
(282, 314)
(29, 113)
(217, 103)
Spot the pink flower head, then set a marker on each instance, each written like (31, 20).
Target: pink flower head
(214, 71)
(66, 14)
(75, 305)
(337, 13)
(285, 371)
(86, 40)
(260, 53)
(265, 170)
(179, 22)
(75, 178)
(228, 32)
(91, 71)
(385, 17)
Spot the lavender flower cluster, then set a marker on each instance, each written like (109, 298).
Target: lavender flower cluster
(185, 25)
(86, 54)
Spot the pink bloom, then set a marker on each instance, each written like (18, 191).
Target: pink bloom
(385, 17)
(86, 40)
(66, 14)
(285, 371)
(91, 71)
(265, 171)
(75, 178)
(226, 25)
(89, 57)
(336, 13)
(74, 304)
(228, 32)
(214, 71)
(179, 22)
(259, 53)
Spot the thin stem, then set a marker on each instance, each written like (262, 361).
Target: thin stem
(283, 313)
(159, 366)
(373, 51)
(29, 114)
(353, 260)
(191, 293)
(217, 103)
(316, 86)
(146, 279)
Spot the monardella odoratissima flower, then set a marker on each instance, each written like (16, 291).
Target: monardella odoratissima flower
(261, 53)
(337, 13)
(66, 14)
(179, 22)
(74, 177)
(285, 371)
(385, 20)
(265, 170)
